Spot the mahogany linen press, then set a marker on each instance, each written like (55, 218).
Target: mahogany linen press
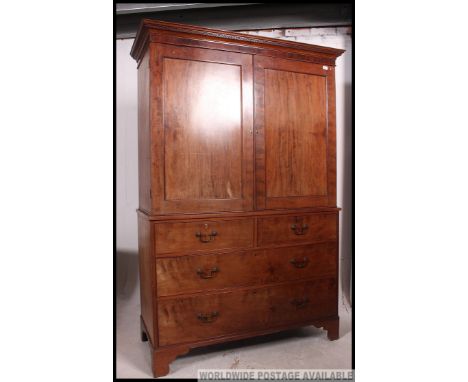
(237, 219)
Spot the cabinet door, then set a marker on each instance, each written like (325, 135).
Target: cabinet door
(295, 134)
(202, 130)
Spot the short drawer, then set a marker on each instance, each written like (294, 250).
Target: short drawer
(204, 235)
(195, 273)
(199, 317)
(287, 229)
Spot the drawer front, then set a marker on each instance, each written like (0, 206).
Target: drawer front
(195, 273)
(297, 228)
(199, 317)
(204, 235)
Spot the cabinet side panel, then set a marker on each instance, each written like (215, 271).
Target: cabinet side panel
(144, 142)
(147, 281)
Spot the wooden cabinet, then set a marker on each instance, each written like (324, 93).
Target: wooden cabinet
(238, 223)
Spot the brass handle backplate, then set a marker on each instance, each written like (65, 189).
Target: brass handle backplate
(299, 229)
(301, 263)
(206, 238)
(300, 302)
(208, 274)
(207, 317)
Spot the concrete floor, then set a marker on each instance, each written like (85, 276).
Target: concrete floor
(305, 348)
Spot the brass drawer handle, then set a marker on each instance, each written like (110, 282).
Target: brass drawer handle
(299, 229)
(206, 238)
(208, 317)
(300, 263)
(300, 302)
(209, 274)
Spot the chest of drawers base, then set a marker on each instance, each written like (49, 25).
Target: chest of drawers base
(207, 280)
(163, 356)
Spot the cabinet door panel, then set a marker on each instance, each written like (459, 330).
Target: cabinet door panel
(295, 134)
(203, 111)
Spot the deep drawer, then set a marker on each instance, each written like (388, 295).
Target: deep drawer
(199, 317)
(195, 273)
(204, 235)
(288, 229)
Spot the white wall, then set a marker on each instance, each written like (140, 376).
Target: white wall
(127, 146)
(127, 165)
(127, 171)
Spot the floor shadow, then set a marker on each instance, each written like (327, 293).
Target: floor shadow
(126, 273)
(308, 331)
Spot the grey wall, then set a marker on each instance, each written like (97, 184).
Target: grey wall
(238, 17)
(127, 166)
